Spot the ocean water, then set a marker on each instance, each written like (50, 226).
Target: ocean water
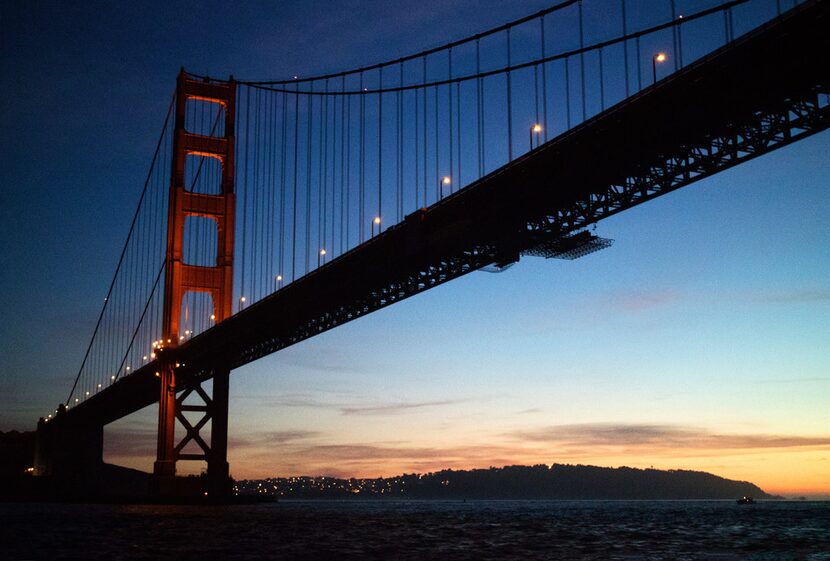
(416, 530)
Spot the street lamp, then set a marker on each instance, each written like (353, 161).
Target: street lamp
(535, 129)
(321, 255)
(659, 57)
(446, 180)
(278, 282)
(375, 221)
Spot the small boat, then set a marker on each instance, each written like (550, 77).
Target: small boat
(746, 501)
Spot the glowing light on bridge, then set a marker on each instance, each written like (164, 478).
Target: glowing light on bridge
(655, 60)
(444, 181)
(535, 129)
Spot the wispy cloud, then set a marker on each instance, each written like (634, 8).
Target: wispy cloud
(793, 381)
(352, 407)
(661, 438)
(641, 301)
(273, 438)
(394, 408)
(301, 401)
(797, 295)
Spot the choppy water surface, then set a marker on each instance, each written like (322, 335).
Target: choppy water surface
(676, 530)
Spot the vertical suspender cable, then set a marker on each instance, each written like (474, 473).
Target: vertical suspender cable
(255, 197)
(424, 138)
(282, 184)
(399, 119)
(343, 198)
(675, 48)
(437, 181)
(567, 93)
(308, 155)
(294, 197)
(639, 65)
(380, 147)
(449, 116)
(362, 171)
(582, 58)
(544, 82)
(458, 128)
(348, 168)
(601, 83)
(417, 146)
(479, 110)
(625, 47)
(509, 104)
(334, 131)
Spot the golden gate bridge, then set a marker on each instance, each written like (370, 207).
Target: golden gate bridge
(276, 210)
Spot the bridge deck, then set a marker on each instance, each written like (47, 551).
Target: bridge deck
(758, 93)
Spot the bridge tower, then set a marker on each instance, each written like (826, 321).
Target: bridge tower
(182, 277)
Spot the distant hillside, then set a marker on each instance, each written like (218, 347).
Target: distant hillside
(515, 482)
(17, 452)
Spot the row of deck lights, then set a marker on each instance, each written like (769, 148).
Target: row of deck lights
(535, 132)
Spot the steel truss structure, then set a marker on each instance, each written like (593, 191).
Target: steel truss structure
(769, 130)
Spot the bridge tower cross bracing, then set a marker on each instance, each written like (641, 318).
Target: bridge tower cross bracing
(182, 277)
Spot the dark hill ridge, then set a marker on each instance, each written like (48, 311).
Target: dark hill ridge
(516, 482)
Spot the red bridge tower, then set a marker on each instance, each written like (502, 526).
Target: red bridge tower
(181, 278)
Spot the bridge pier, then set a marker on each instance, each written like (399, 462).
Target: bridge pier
(219, 482)
(165, 464)
(70, 454)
